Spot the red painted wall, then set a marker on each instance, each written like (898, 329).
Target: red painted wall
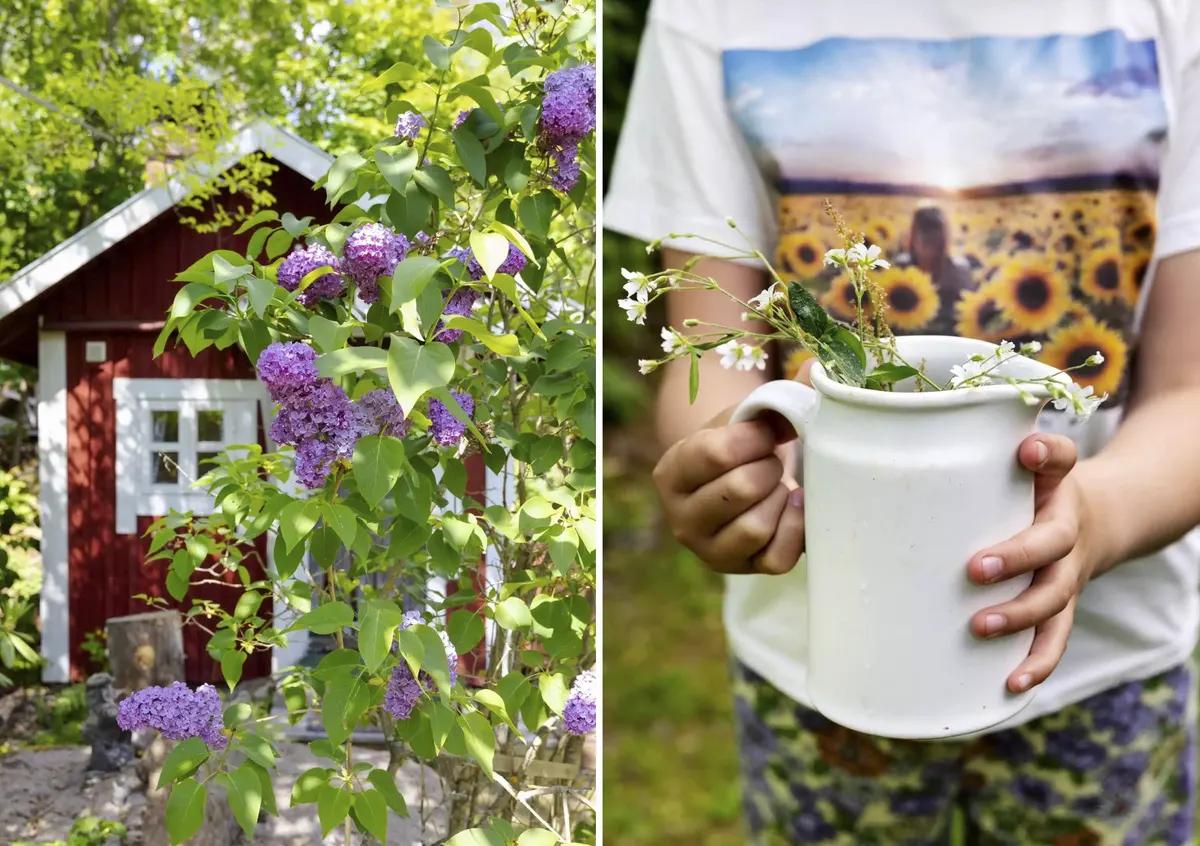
(133, 282)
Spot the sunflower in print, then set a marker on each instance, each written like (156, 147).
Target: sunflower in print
(979, 316)
(839, 300)
(802, 254)
(1107, 275)
(1073, 344)
(912, 298)
(1032, 293)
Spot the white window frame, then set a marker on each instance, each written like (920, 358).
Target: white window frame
(136, 399)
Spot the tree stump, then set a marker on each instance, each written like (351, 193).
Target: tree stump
(145, 649)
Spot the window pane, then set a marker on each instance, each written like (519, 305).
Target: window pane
(165, 428)
(165, 467)
(205, 461)
(210, 425)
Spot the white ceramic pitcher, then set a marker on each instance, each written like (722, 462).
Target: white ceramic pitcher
(901, 489)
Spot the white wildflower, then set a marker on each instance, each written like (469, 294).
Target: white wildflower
(1078, 399)
(969, 374)
(1005, 349)
(752, 358)
(671, 341)
(646, 365)
(635, 310)
(730, 352)
(870, 258)
(1094, 359)
(835, 258)
(1031, 348)
(638, 285)
(771, 294)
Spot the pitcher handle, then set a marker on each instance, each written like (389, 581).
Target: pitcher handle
(795, 401)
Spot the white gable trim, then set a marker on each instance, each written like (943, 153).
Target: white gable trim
(43, 273)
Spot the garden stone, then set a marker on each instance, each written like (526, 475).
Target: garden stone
(112, 747)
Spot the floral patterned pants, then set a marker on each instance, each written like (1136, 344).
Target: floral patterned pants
(1118, 768)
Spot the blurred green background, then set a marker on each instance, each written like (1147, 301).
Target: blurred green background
(670, 765)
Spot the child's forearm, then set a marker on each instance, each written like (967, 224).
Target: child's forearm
(1143, 488)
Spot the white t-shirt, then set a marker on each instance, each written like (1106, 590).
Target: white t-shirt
(1052, 149)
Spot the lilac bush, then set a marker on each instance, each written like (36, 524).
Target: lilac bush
(177, 711)
(431, 446)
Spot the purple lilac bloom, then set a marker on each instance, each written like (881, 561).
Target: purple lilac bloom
(566, 167)
(424, 240)
(323, 424)
(461, 302)
(568, 115)
(383, 413)
(513, 263)
(403, 690)
(285, 367)
(1072, 748)
(446, 428)
(569, 105)
(579, 714)
(371, 251)
(177, 712)
(304, 260)
(461, 118)
(409, 126)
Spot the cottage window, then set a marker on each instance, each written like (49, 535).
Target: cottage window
(169, 433)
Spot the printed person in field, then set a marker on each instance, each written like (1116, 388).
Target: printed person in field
(1070, 136)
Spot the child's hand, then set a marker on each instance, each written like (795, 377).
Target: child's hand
(1052, 551)
(725, 498)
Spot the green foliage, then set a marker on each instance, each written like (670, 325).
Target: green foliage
(86, 830)
(397, 517)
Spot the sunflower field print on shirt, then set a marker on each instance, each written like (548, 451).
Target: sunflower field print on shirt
(1012, 181)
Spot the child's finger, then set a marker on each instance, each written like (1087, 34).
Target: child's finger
(1041, 544)
(733, 547)
(787, 545)
(723, 499)
(1052, 589)
(1051, 457)
(1049, 646)
(711, 453)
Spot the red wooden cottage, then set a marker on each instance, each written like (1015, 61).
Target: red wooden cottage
(87, 314)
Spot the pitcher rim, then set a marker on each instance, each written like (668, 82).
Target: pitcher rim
(925, 400)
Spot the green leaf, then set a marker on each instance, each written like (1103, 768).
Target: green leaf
(377, 624)
(259, 291)
(308, 786)
(183, 760)
(265, 787)
(513, 613)
(255, 219)
(436, 181)
(326, 619)
(490, 250)
(516, 238)
(694, 378)
(245, 797)
(190, 296)
(479, 738)
(465, 629)
(437, 52)
(507, 285)
(297, 519)
(476, 837)
(538, 837)
(809, 314)
(327, 334)
(415, 368)
(259, 750)
(397, 169)
(506, 344)
(410, 278)
(185, 810)
(347, 696)
(494, 702)
(378, 462)
(535, 212)
(278, 243)
(342, 519)
(846, 357)
(889, 373)
(386, 785)
(232, 661)
(333, 805)
(338, 177)
(351, 360)
(554, 691)
(371, 811)
(470, 153)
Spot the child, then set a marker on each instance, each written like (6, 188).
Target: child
(1059, 143)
